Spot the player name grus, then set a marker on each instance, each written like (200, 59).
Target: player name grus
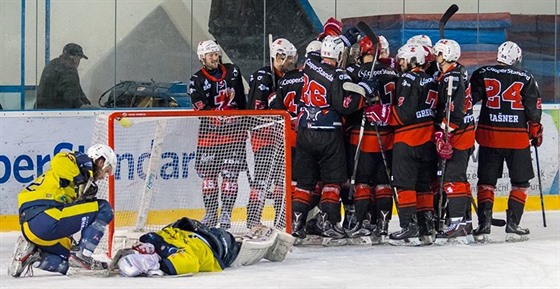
(319, 70)
(504, 118)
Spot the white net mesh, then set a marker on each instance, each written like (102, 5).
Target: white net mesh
(227, 171)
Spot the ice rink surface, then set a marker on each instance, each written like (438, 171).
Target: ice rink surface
(531, 264)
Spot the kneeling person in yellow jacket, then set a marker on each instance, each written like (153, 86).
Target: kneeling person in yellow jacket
(188, 246)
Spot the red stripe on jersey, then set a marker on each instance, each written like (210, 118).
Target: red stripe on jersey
(415, 134)
(502, 137)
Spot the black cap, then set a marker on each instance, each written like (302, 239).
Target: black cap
(73, 49)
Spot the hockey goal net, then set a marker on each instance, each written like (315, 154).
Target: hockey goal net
(230, 169)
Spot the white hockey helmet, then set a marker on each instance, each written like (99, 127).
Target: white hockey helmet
(282, 46)
(207, 46)
(106, 152)
(332, 47)
(383, 44)
(509, 53)
(421, 39)
(450, 49)
(412, 53)
(313, 46)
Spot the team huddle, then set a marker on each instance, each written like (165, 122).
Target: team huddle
(373, 132)
(385, 130)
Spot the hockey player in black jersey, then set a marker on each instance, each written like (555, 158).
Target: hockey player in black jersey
(263, 85)
(218, 86)
(319, 144)
(454, 116)
(511, 107)
(414, 158)
(372, 200)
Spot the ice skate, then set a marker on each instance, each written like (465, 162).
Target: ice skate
(360, 234)
(407, 236)
(79, 260)
(225, 220)
(210, 219)
(25, 254)
(426, 227)
(482, 233)
(454, 233)
(514, 233)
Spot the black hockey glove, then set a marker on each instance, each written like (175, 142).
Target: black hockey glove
(370, 87)
(85, 165)
(89, 193)
(350, 36)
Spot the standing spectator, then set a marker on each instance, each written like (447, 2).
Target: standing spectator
(511, 107)
(59, 86)
(218, 86)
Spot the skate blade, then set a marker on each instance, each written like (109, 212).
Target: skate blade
(328, 242)
(406, 242)
(379, 240)
(483, 238)
(470, 239)
(511, 238)
(427, 240)
(461, 240)
(362, 240)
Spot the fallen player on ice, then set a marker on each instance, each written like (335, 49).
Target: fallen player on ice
(187, 246)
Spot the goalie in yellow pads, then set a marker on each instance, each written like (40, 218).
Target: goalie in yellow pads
(187, 246)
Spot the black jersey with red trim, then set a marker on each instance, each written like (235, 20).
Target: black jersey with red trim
(414, 107)
(261, 87)
(288, 93)
(386, 81)
(510, 98)
(218, 89)
(461, 118)
(323, 100)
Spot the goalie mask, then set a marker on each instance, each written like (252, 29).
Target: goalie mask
(103, 151)
(413, 54)
(509, 53)
(332, 47)
(449, 49)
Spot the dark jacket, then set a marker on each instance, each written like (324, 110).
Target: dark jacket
(60, 85)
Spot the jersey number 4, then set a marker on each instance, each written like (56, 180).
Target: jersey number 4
(512, 94)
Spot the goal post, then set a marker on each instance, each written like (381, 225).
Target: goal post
(229, 169)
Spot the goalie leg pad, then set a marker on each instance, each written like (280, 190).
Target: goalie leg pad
(255, 246)
(282, 245)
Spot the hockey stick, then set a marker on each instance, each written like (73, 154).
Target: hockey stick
(272, 70)
(366, 30)
(375, 42)
(446, 139)
(446, 16)
(540, 185)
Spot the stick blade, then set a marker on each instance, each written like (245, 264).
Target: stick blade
(446, 16)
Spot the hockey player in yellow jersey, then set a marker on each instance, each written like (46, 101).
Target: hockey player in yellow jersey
(188, 246)
(60, 203)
